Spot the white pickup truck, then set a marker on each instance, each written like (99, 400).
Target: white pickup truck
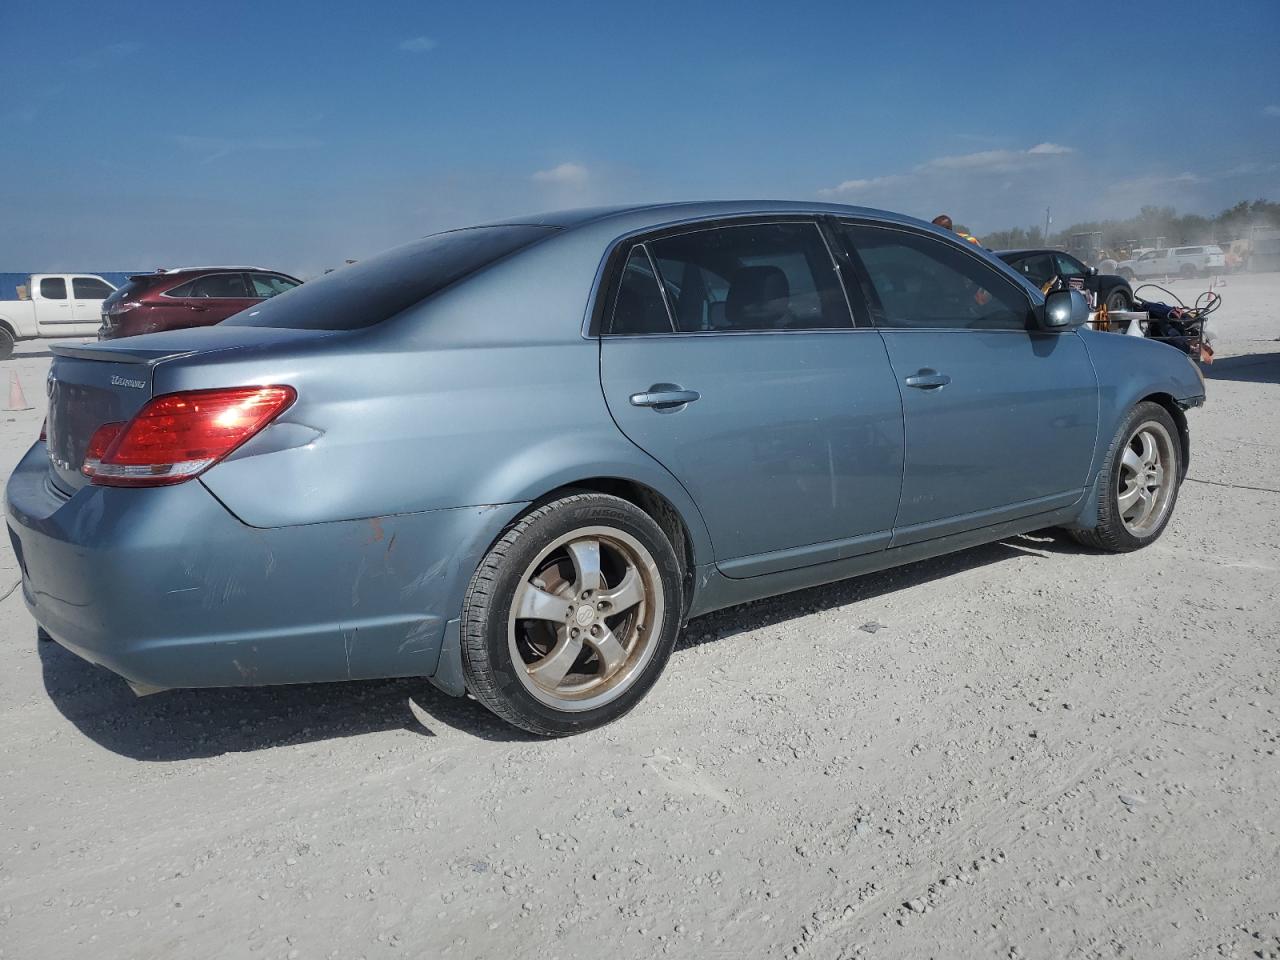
(53, 305)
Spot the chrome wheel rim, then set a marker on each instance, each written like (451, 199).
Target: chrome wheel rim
(585, 618)
(1147, 480)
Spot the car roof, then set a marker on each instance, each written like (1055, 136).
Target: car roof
(661, 213)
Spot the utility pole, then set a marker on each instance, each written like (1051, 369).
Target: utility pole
(1047, 220)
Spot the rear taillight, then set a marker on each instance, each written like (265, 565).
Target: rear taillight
(178, 436)
(44, 430)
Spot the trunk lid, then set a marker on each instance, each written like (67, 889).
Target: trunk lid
(91, 384)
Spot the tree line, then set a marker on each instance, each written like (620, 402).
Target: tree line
(1177, 229)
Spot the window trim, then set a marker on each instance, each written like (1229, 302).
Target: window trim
(66, 289)
(877, 308)
(615, 259)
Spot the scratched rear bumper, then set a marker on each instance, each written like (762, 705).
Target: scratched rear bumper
(167, 588)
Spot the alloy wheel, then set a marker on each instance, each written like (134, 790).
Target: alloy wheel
(1147, 479)
(585, 618)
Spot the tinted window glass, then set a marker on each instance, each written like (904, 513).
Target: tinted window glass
(1038, 269)
(90, 288)
(373, 290)
(1069, 266)
(768, 276)
(926, 283)
(53, 288)
(1190, 251)
(219, 286)
(639, 307)
(270, 284)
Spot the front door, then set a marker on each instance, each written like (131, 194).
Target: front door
(1000, 418)
(729, 356)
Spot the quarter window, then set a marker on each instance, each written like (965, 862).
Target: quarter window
(924, 283)
(269, 284)
(90, 288)
(639, 307)
(53, 288)
(767, 276)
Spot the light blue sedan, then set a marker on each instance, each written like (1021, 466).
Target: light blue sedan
(516, 458)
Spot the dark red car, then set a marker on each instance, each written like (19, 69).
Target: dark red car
(187, 297)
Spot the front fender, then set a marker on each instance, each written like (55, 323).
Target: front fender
(1130, 370)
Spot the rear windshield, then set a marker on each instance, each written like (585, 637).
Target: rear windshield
(124, 292)
(373, 290)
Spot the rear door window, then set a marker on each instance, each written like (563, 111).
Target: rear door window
(765, 276)
(1038, 269)
(53, 288)
(374, 290)
(90, 288)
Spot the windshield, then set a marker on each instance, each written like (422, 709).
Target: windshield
(373, 290)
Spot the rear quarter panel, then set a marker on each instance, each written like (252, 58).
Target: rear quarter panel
(486, 394)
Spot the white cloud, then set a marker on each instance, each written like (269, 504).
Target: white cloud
(1050, 149)
(982, 162)
(1271, 110)
(417, 44)
(866, 185)
(570, 174)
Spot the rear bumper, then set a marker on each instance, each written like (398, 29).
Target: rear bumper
(168, 589)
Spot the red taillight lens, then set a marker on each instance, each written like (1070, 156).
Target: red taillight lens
(180, 435)
(44, 430)
(101, 440)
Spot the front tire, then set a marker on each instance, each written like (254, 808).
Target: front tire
(1119, 299)
(1139, 482)
(572, 615)
(6, 344)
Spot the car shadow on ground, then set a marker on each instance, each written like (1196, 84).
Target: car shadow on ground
(1249, 368)
(27, 354)
(189, 724)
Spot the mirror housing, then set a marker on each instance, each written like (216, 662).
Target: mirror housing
(1063, 310)
(1092, 271)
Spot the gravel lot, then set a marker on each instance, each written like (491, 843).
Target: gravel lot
(1023, 750)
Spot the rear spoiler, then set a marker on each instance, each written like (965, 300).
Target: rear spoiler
(116, 352)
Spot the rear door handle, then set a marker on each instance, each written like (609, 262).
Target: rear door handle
(928, 380)
(664, 396)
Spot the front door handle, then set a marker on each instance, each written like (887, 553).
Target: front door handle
(664, 396)
(928, 380)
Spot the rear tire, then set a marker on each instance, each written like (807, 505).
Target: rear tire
(572, 615)
(1139, 481)
(1189, 272)
(6, 344)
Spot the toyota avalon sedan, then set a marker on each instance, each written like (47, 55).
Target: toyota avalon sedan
(516, 458)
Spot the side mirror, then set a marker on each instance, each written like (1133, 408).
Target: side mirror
(1063, 310)
(1093, 271)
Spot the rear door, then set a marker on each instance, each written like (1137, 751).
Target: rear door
(1000, 418)
(87, 294)
(729, 355)
(207, 300)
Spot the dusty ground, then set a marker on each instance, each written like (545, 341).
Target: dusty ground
(1043, 753)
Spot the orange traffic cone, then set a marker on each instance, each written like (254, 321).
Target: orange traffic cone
(17, 399)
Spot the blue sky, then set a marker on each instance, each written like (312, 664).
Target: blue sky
(298, 134)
